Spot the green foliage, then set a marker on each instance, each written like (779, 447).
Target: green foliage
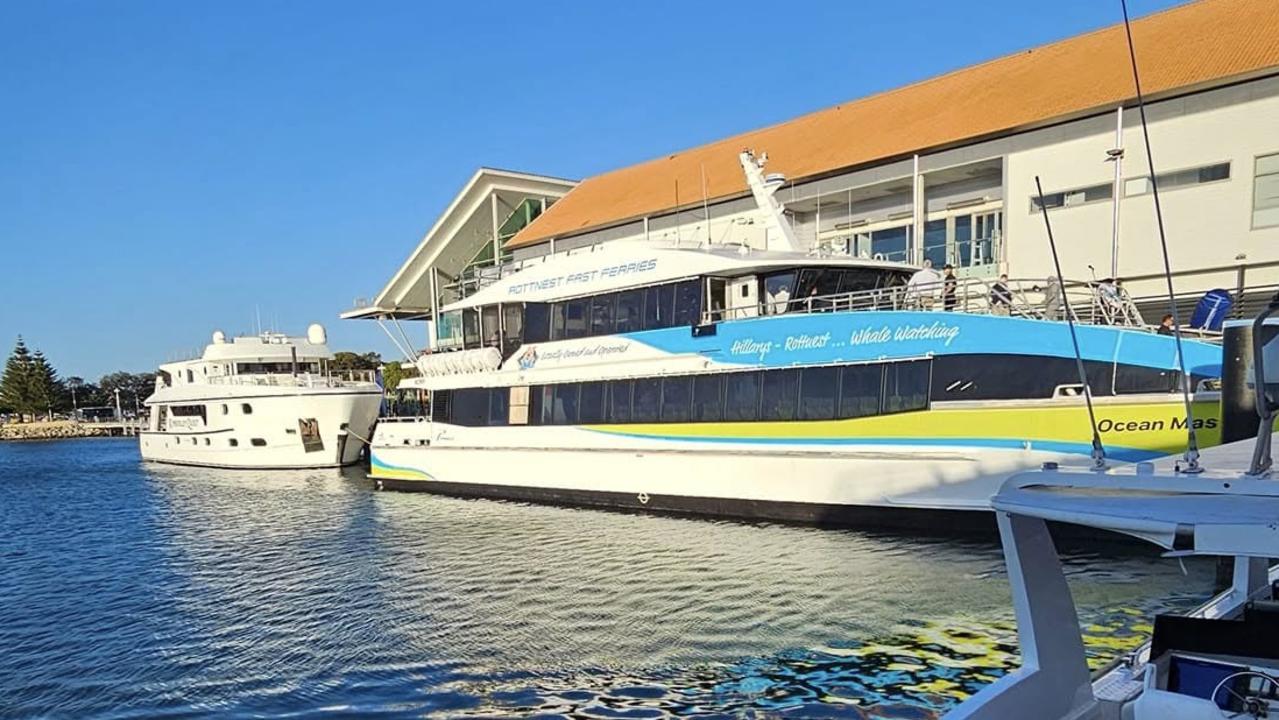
(355, 361)
(15, 385)
(392, 374)
(47, 390)
(133, 387)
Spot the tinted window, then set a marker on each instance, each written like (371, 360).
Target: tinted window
(575, 315)
(860, 388)
(558, 313)
(677, 398)
(565, 404)
(818, 392)
(706, 398)
(499, 406)
(470, 328)
(858, 280)
(741, 396)
(906, 386)
(537, 322)
(470, 407)
(646, 400)
(590, 405)
(619, 401)
(602, 314)
(490, 326)
(659, 307)
(778, 395)
(688, 302)
(630, 305)
(777, 291)
(440, 405)
(513, 326)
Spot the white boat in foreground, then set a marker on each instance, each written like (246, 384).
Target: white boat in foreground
(266, 401)
(1221, 661)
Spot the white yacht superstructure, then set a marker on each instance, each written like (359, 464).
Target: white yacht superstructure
(266, 401)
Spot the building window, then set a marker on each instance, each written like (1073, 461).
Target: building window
(1265, 192)
(1178, 178)
(1071, 198)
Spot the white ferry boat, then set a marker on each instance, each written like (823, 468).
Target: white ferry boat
(773, 384)
(265, 401)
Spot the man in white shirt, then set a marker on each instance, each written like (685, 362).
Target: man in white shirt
(922, 287)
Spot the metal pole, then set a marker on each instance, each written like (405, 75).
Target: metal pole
(497, 248)
(1116, 155)
(915, 249)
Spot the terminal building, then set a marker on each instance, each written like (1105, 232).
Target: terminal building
(945, 170)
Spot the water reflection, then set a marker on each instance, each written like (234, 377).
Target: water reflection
(257, 593)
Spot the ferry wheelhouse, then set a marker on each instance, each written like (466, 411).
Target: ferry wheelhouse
(266, 401)
(753, 383)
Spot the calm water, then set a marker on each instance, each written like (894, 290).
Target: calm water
(144, 591)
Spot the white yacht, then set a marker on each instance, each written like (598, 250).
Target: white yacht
(266, 401)
(770, 383)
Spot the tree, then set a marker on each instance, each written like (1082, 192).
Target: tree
(47, 391)
(15, 386)
(392, 374)
(354, 361)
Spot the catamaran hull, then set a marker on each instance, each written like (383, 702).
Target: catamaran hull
(831, 476)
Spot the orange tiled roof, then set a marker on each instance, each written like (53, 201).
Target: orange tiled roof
(1191, 45)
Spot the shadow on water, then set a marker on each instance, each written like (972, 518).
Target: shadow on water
(138, 590)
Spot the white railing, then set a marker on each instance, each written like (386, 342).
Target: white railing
(302, 380)
(1090, 303)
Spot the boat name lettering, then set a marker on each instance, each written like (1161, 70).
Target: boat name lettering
(934, 331)
(586, 351)
(807, 342)
(1107, 425)
(610, 271)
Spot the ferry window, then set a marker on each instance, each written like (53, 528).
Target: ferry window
(602, 314)
(441, 401)
(246, 408)
(541, 401)
(537, 322)
(575, 314)
(630, 306)
(619, 401)
(778, 397)
(906, 386)
(499, 406)
(490, 325)
(590, 406)
(806, 285)
(448, 331)
(741, 396)
(688, 302)
(859, 390)
(257, 442)
(558, 313)
(233, 442)
(565, 404)
(647, 399)
(706, 398)
(818, 390)
(470, 407)
(777, 292)
(470, 328)
(659, 307)
(677, 398)
(853, 281)
(512, 326)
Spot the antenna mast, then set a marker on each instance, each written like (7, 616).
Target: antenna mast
(763, 187)
(1192, 440)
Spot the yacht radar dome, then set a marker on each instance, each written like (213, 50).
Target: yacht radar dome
(315, 334)
(219, 337)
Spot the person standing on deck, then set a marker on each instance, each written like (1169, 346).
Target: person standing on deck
(921, 288)
(1052, 299)
(949, 287)
(1001, 298)
(1165, 326)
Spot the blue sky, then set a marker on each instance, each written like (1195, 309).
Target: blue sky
(166, 167)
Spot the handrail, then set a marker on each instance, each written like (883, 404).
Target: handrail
(1090, 302)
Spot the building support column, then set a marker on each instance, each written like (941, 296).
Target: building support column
(432, 328)
(915, 251)
(497, 247)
